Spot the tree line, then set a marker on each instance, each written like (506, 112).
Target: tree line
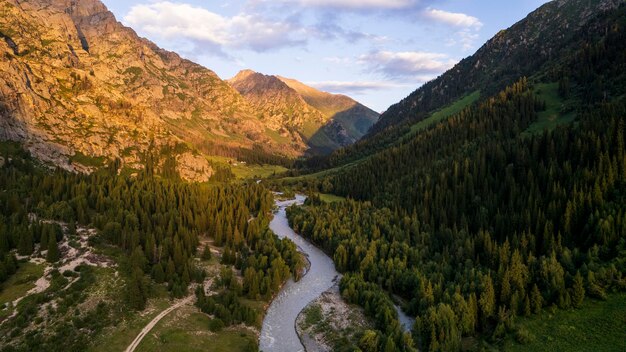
(154, 219)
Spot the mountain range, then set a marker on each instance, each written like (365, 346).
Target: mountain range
(489, 205)
(79, 88)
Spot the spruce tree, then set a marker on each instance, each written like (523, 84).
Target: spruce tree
(536, 299)
(53, 250)
(488, 299)
(578, 290)
(206, 253)
(25, 245)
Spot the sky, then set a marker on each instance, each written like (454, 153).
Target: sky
(376, 51)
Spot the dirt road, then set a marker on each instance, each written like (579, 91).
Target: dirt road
(154, 321)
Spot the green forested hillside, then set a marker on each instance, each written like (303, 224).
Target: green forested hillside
(153, 223)
(536, 47)
(488, 216)
(498, 228)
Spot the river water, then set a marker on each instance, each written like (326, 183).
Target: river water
(278, 333)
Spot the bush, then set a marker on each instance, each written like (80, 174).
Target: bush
(523, 336)
(597, 292)
(216, 325)
(69, 273)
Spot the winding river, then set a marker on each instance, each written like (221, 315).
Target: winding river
(278, 333)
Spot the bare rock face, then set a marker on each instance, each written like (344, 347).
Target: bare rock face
(194, 167)
(74, 80)
(290, 108)
(276, 103)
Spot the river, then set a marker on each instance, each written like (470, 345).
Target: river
(278, 333)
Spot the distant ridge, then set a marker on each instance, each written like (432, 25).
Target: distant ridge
(324, 121)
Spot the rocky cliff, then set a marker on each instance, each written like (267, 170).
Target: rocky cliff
(294, 110)
(77, 87)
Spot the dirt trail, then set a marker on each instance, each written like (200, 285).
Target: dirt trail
(155, 321)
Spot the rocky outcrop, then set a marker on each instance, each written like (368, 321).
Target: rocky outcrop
(290, 108)
(193, 167)
(275, 102)
(74, 81)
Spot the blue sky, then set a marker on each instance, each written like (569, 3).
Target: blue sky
(377, 51)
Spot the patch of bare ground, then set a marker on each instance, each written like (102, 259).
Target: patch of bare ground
(329, 322)
(74, 251)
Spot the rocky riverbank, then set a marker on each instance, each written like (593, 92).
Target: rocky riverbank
(328, 323)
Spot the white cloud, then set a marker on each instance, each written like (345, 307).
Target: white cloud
(338, 60)
(467, 26)
(354, 5)
(361, 4)
(466, 38)
(184, 21)
(453, 18)
(416, 64)
(351, 87)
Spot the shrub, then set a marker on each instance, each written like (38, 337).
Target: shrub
(523, 336)
(216, 325)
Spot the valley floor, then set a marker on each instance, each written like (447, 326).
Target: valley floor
(596, 326)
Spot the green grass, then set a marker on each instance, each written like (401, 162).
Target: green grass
(446, 112)
(186, 330)
(312, 315)
(20, 282)
(331, 198)
(317, 138)
(597, 326)
(134, 71)
(117, 338)
(556, 112)
(277, 137)
(309, 128)
(248, 171)
(323, 173)
(110, 287)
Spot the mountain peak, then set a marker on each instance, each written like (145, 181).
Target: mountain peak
(325, 121)
(78, 88)
(251, 82)
(243, 74)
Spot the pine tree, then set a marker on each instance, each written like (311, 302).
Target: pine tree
(157, 273)
(170, 272)
(488, 299)
(138, 259)
(369, 341)
(206, 253)
(53, 250)
(341, 258)
(71, 228)
(578, 290)
(136, 290)
(25, 245)
(390, 346)
(527, 308)
(4, 240)
(536, 299)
